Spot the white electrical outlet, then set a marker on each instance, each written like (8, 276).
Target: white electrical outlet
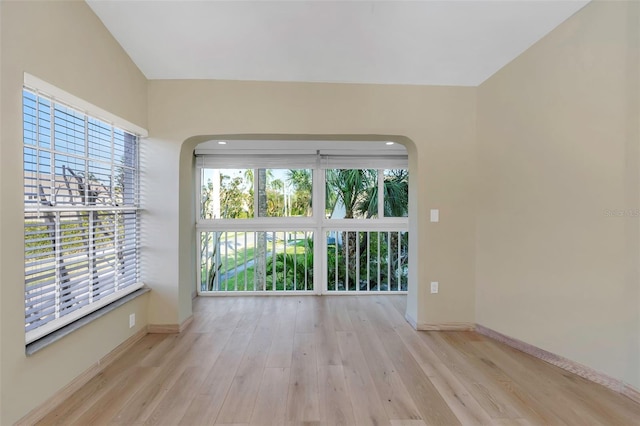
(434, 287)
(434, 215)
(132, 320)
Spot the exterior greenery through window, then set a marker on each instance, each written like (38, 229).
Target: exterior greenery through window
(81, 214)
(241, 251)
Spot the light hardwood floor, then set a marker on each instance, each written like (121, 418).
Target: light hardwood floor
(332, 360)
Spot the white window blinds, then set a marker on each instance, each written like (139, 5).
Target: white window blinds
(81, 220)
(302, 161)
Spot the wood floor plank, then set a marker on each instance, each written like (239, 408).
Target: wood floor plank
(106, 407)
(241, 396)
(367, 405)
(205, 407)
(305, 317)
(280, 353)
(281, 349)
(326, 340)
(175, 403)
(341, 322)
(433, 408)
(271, 404)
(408, 423)
(396, 400)
(492, 388)
(532, 372)
(248, 314)
(168, 369)
(303, 402)
(205, 350)
(319, 361)
(202, 411)
(99, 387)
(335, 401)
(460, 400)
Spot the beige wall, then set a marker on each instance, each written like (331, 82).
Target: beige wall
(66, 45)
(522, 190)
(558, 146)
(436, 123)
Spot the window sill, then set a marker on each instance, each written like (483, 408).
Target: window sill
(53, 337)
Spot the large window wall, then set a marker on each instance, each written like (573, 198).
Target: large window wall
(302, 223)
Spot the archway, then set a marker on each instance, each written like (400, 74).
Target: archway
(187, 205)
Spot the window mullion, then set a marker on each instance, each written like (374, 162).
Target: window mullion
(117, 249)
(318, 198)
(199, 210)
(57, 250)
(380, 193)
(256, 195)
(52, 142)
(86, 161)
(92, 271)
(113, 170)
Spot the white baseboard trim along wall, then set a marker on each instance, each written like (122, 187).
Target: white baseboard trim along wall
(564, 363)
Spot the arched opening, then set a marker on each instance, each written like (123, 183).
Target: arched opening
(361, 146)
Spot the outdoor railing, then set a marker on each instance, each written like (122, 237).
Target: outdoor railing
(262, 261)
(283, 261)
(367, 261)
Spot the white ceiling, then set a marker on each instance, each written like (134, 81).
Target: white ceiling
(444, 42)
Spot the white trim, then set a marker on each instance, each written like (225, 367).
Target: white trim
(372, 225)
(56, 324)
(364, 292)
(363, 161)
(81, 208)
(321, 160)
(256, 293)
(257, 224)
(319, 242)
(65, 98)
(253, 161)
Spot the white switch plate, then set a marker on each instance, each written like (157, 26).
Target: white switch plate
(132, 320)
(434, 287)
(435, 215)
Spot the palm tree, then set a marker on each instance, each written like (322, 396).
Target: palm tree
(396, 196)
(350, 188)
(357, 190)
(302, 182)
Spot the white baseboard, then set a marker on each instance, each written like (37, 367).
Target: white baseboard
(169, 328)
(564, 363)
(440, 326)
(411, 321)
(54, 401)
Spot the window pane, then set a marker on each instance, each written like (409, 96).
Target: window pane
(69, 180)
(75, 254)
(351, 193)
(287, 193)
(396, 193)
(44, 123)
(69, 131)
(29, 118)
(226, 194)
(99, 140)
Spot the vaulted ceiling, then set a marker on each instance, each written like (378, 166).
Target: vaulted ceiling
(445, 42)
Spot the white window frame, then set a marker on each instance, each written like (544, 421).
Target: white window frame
(58, 96)
(317, 223)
